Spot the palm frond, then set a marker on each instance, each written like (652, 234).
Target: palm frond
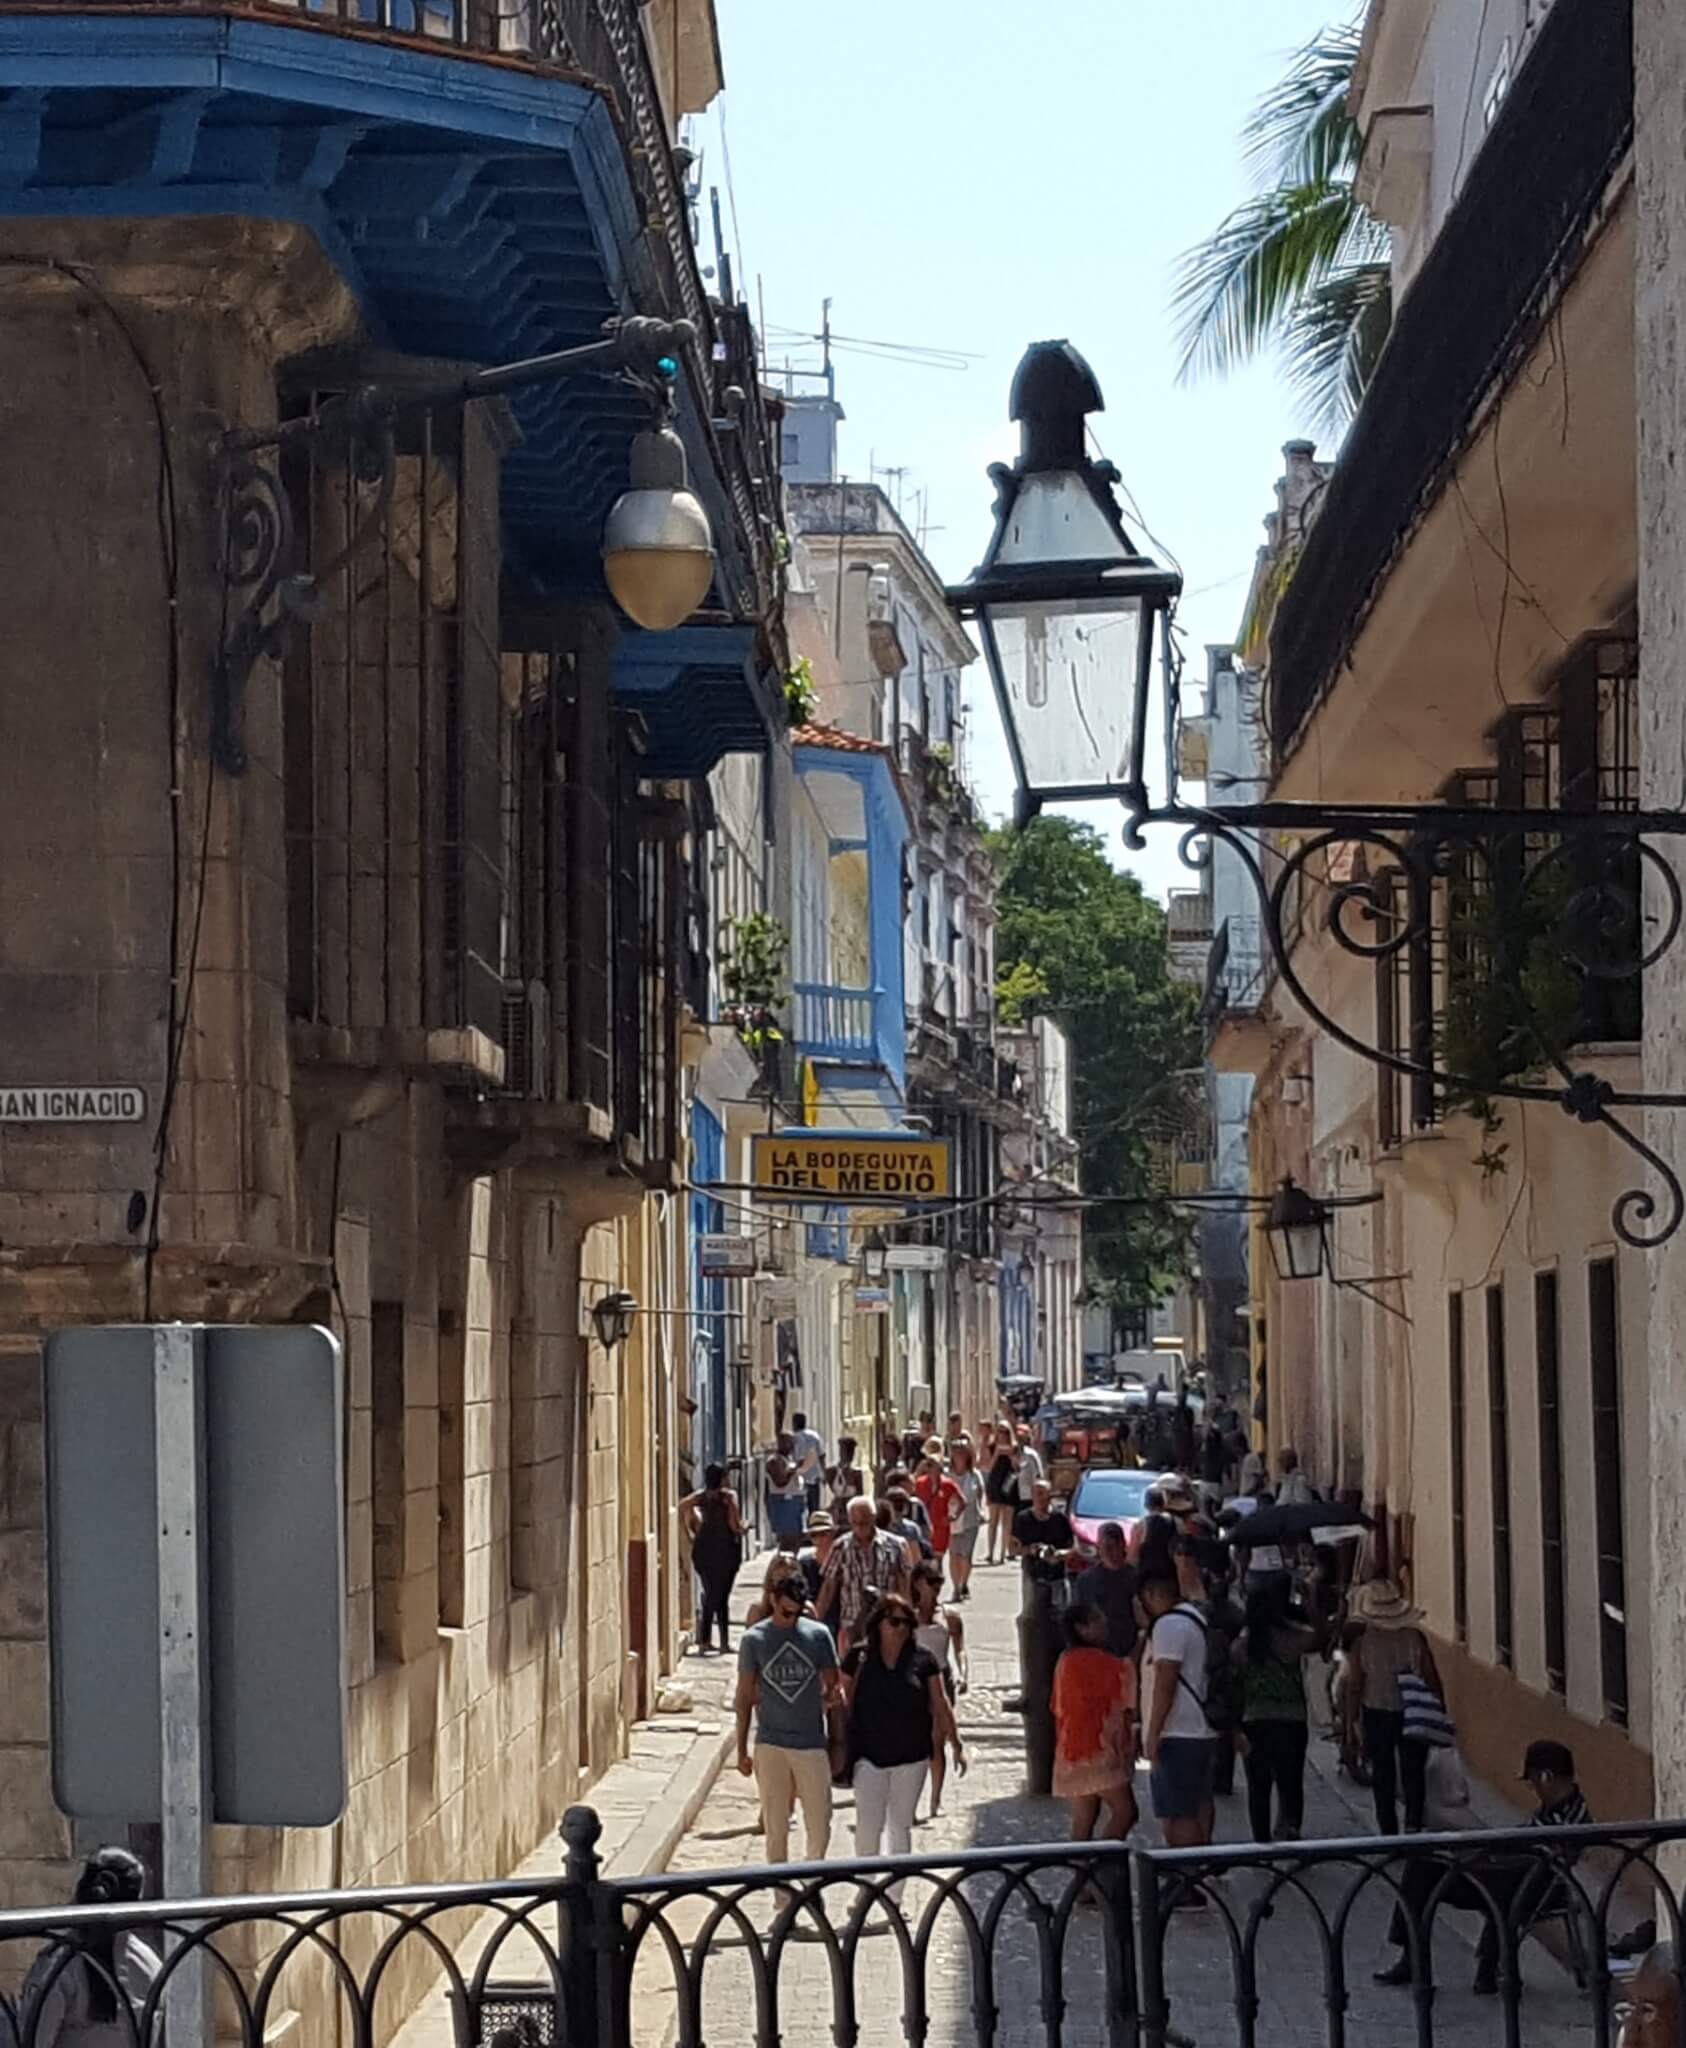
(1301, 133)
(1334, 339)
(1236, 292)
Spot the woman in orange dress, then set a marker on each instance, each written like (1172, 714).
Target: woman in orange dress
(1095, 1729)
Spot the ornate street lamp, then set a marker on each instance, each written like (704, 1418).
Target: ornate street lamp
(1075, 623)
(612, 1317)
(658, 551)
(658, 554)
(1068, 608)
(1297, 1228)
(875, 1259)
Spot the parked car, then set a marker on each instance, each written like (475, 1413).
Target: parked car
(1110, 1496)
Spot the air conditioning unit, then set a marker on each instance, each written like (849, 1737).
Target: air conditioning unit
(526, 1040)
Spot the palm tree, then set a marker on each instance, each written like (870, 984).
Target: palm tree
(1302, 266)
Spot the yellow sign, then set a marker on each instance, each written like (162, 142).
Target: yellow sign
(852, 1166)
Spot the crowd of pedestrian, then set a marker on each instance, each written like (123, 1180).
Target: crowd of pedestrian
(1186, 1646)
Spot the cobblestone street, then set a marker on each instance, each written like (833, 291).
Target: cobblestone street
(989, 1807)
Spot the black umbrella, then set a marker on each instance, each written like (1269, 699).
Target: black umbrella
(1295, 1522)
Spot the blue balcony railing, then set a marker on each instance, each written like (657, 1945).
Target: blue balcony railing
(836, 1023)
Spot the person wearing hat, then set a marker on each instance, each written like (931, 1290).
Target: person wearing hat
(90, 1989)
(1520, 1886)
(1389, 1644)
(821, 1532)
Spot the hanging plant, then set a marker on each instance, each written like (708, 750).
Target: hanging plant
(800, 696)
(940, 782)
(753, 953)
(1513, 997)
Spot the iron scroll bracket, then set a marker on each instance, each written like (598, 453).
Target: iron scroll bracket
(1594, 888)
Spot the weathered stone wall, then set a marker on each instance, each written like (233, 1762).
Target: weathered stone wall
(494, 1546)
(1660, 72)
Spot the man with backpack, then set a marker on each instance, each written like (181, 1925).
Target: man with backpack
(1178, 1740)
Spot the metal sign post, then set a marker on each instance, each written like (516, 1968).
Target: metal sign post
(178, 1411)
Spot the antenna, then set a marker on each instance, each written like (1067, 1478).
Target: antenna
(825, 349)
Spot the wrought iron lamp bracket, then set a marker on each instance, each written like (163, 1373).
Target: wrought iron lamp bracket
(1594, 886)
(265, 593)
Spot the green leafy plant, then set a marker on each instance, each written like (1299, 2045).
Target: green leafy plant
(801, 698)
(1514, 997)
(941, 782)
(1071, 922)
(1301, 265)
(1018, 991)
(753, 954)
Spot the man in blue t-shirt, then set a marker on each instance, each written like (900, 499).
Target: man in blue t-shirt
(788, 1678)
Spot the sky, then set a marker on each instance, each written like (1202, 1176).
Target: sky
(975, 175)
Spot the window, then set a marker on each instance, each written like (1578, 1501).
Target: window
(386, 1441)
(1549, 1385)
(792, 448)
(1607, 1484)
(1460, 1530)
(1498, 1426)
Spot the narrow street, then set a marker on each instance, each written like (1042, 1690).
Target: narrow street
(990, 1808)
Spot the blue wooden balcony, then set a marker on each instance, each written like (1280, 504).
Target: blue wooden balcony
(492, 179)
(837, 1023)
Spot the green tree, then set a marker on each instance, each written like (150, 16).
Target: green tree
(1067, 920)
(1301, 266)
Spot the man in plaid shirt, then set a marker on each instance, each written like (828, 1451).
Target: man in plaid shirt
(867, 1564)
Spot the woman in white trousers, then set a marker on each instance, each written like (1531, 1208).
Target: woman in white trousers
(897, 1712)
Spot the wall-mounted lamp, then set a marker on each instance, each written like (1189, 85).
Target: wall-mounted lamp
(611, 1317)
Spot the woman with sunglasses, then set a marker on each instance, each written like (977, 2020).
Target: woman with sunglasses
(898, 1712)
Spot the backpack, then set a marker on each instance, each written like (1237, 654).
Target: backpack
(1217, 1702)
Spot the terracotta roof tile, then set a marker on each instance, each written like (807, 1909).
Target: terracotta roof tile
(831, 736)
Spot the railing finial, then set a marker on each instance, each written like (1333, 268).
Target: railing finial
(581, 1831)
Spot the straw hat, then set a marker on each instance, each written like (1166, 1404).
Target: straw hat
(1177, 1498)
(1380, 1604)
(819, 1523)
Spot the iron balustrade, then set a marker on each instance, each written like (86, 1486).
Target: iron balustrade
(1062, 1944)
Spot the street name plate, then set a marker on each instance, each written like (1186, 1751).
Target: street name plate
(852, 1165)
(72, 1102)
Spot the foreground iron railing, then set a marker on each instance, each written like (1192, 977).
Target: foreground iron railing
(1067, 1945)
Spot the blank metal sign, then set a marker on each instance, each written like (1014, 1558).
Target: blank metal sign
(273, 1556)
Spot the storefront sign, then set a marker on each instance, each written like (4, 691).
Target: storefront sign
(731, 1257)
(852, 1166)
(74, 1102)
(872, 1301)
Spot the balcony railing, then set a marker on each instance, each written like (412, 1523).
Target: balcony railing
(1059, 1944)
(1237, 971)
(836, 1023)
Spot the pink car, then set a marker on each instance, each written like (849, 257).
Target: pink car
(1110, 1496)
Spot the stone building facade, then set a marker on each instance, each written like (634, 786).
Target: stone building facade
(364, 859)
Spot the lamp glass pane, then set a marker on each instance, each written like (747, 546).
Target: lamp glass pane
(1302, 1244)
(1068, 672)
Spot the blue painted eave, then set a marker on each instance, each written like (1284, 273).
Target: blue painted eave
(480, 210)
(700, 694)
